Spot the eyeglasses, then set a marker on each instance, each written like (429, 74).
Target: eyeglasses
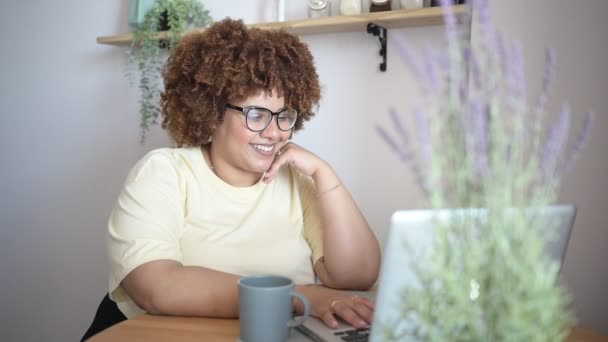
(258, 118)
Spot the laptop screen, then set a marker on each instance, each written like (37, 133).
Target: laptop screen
(416, 228)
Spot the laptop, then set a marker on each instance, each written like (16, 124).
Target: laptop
(416, 227)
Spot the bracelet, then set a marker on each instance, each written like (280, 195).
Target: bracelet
(330, 189)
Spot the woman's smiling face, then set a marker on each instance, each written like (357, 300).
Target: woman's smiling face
(241, 154)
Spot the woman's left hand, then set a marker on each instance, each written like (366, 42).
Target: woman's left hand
(307, 162)
(327, 304)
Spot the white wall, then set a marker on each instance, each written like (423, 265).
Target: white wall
(68, 137)
(69, 134)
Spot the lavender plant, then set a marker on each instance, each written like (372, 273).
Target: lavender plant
(480, 144)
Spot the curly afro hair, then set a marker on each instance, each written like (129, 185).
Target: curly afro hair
(229, 62)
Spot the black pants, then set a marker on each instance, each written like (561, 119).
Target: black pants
(106, 316)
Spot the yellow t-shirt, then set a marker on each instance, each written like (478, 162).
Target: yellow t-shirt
(174, 207)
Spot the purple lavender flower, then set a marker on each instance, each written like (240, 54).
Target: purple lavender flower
(392, 144)
(407, 55)
(512, 66)
(424, 136)
(503, 52)
(404, 151)
(405, 156)
(548, 76)
(430, 69)
(473, 65)
(480, 119)
(555, 142)
(549, 71)
(581, 141)
(452, 30)
(519, 77)
(401, 131)
(486, 29)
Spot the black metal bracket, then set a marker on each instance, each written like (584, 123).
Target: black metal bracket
(382, 34)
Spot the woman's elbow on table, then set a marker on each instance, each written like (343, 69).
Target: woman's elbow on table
(147, 285)
(360, 279)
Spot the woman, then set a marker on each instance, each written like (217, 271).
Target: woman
(236, 198)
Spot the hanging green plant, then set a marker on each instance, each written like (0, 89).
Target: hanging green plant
(146, 53)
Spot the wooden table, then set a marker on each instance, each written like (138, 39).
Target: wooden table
(185, 329)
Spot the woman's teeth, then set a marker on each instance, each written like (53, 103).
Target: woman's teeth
(263, 148)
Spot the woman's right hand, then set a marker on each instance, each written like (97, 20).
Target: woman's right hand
(327, 304)
(302, 159)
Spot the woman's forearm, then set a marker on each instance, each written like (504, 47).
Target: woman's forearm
(351, 251)
(167, 288)
(197, 291)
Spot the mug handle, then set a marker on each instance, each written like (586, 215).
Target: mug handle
(295, 322)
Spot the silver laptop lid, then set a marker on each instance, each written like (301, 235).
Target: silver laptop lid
(415, 227)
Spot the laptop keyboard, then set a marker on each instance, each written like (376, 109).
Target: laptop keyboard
(354, 335)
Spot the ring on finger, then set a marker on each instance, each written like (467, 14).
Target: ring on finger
(332, 306)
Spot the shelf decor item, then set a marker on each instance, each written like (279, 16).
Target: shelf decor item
(318, 8)
(479, 143)
(350, 7)
(280, 10)
(434, 3)
(146, 55)
(137, 11)
(380, 5)
(411, 4)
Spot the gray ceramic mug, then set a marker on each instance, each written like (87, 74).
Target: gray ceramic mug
(266, 308)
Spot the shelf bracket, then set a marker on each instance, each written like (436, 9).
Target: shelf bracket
(382, 33)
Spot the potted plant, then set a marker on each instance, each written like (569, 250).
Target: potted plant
(146, 51)
(481, 145)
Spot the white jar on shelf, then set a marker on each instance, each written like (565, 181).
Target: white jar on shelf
(350, 7)
(318, 8)
(280, 10)
(412, 4)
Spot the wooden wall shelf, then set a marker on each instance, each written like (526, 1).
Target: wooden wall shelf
(393, 19)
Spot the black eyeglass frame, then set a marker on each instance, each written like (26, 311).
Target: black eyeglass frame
(245, 112)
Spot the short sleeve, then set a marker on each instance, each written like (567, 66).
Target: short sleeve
(313, 230)
(147, 219)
